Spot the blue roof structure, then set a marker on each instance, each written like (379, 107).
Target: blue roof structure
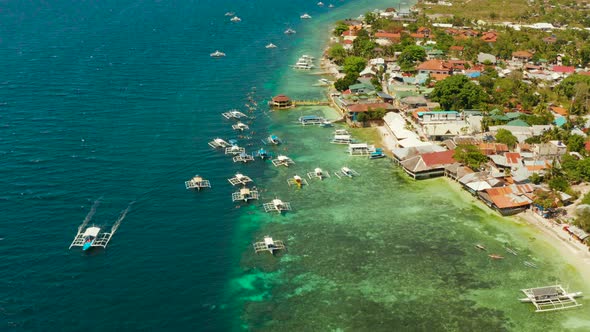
(560, 121)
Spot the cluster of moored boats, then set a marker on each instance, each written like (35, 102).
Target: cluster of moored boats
(247, 191)
(289, 31)
(305, 62)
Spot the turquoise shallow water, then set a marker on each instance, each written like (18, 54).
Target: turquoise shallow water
(117, 99)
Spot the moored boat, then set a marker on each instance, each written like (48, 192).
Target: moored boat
(378, 153)
(305, 16)
(217, 54)
(290, 31)
(235, 19)
(271, 45)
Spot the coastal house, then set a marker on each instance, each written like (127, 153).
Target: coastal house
(428, 165)
(414, 102)
(434, 67)
(354, 109)
(521, 57)
(486, 57)
(558, 111)
(361, 88)
(349, 34)
(492, 148)
(508, 200)
(489, 37)
(551, 149)
(442, 131)
(430, 117)
(281, 102)
(387, 38)
(347, 44)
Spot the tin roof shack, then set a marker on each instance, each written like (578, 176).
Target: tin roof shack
(428, 165)
(508, 200)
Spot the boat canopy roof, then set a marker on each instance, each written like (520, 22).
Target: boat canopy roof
(92, 231)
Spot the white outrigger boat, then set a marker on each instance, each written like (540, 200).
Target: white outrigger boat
(197, 182)
(297, 181)
(272, 139)
(245, 194)
(89, 237)
(234, 114)
(234, 149)
(235, 19)
(230, 14)
(271, 45)
(268, 244)
(311, 120)
(320, 4)
(342, 139)
(219, 143)
(305, 16)
(551, 298)
(217, 54)
(240, 179)
(243, 157)
(290, 31)
(318, 173)
(282, 160)
(345, 171)
(240, 126)
(277, 205)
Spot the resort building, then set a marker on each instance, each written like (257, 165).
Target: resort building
(281, 101)
(428, 165)
(508, 200)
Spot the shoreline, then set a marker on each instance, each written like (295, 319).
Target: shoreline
(573, 251)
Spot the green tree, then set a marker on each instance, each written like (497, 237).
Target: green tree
(337, 53)
(410, 56)
(458, 92)
(505, 136)
(470, 155)
(576, 143)
(354, 64)
(340, 28)
(559, 183)
(342, 84)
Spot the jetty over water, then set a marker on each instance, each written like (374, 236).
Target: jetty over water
(284, 102)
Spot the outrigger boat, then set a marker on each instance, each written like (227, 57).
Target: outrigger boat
(271, 45)
(530, 264)
(480, 247)
(512, 251)
(230, 14)
(234, 114)
(341, 132)
(217, 54)
(342, 139)
(326, 124)
(219, 143)
(268, 244)
(297, 181)
(321, 4)
(90, 237)
(277, 205)
(311, 120)
(234, 149)
(318, 173)
(551, 298)
(235, 19)
(290, 31)
(282, 161)
(495, 256)
(262, 154)
(272, 139)
(240, 178)
(245, 194)
(305, 16)
(243, 157)
(197, 182)
(345, 171)
(240, 126)
(378, 153)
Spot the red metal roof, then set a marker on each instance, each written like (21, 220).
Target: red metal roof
(512, 157)
(356, 108)
(564, 69)
(439, 158)
(388, 35)
(280, 98)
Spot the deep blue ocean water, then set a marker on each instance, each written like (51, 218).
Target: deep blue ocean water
(116, 100)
